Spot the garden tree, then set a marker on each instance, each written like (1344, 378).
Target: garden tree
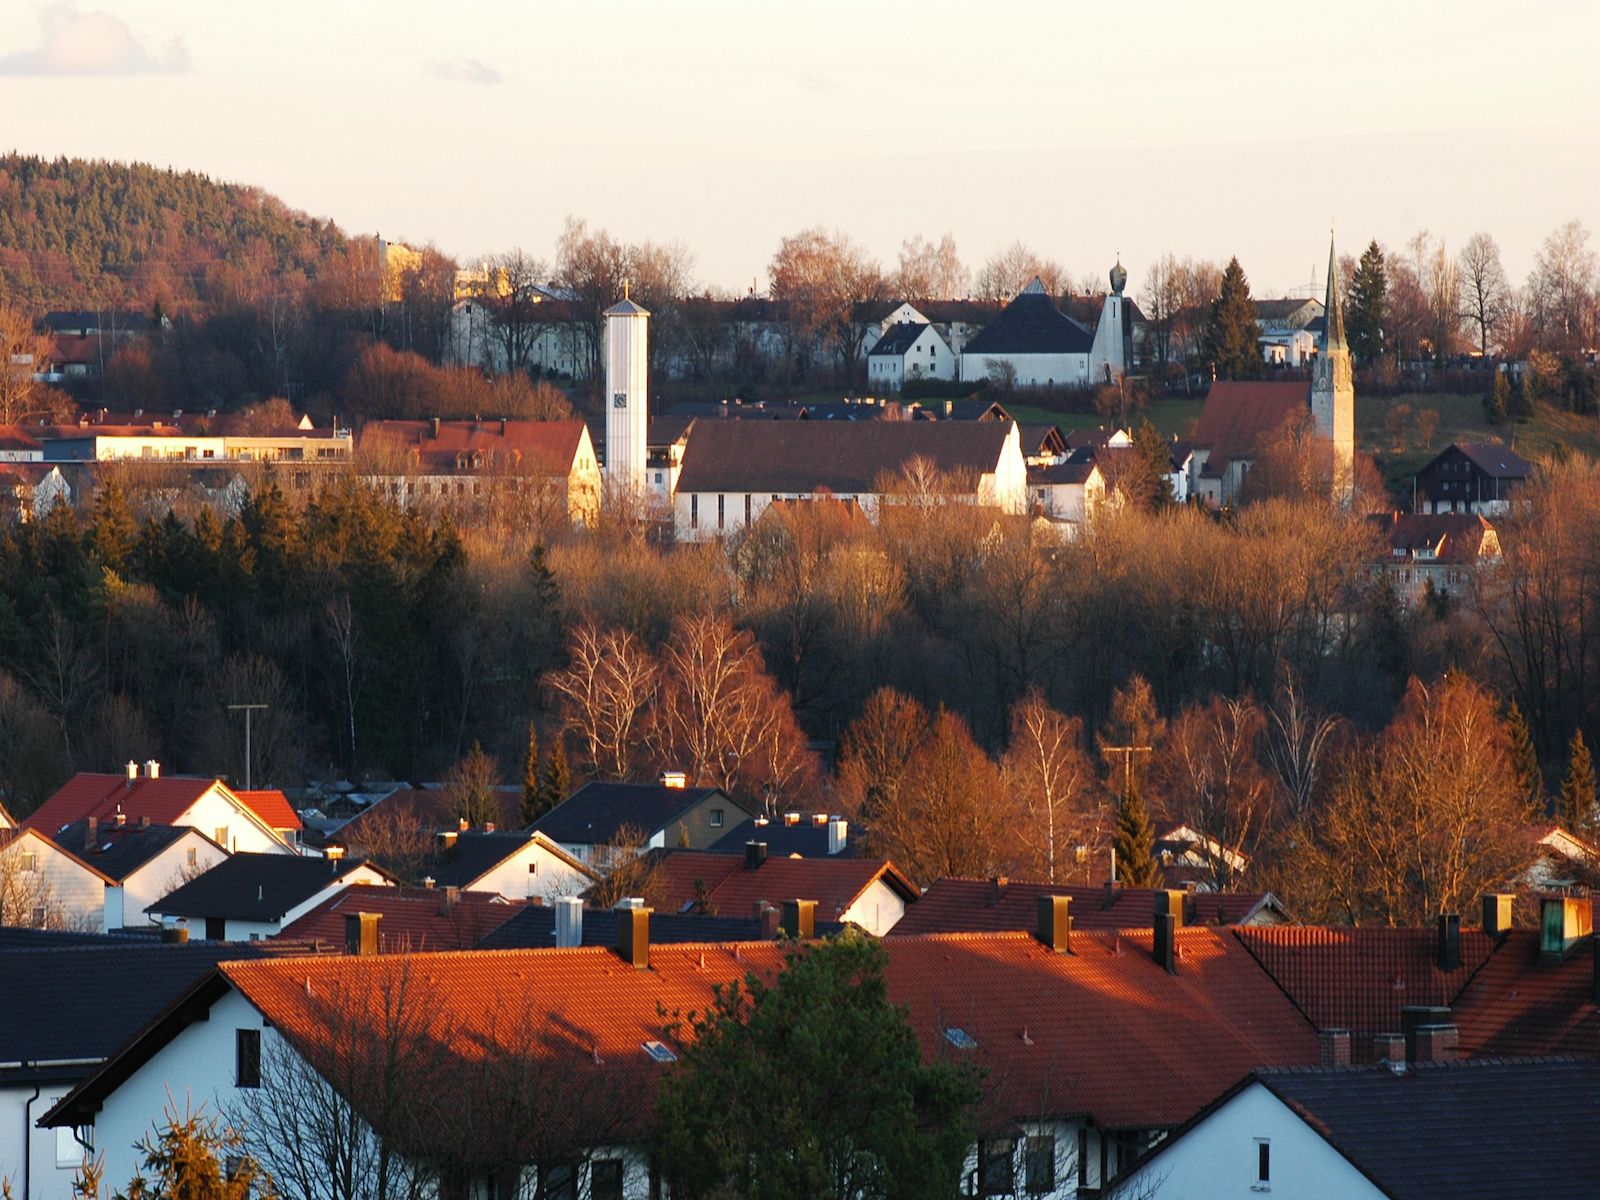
(1133, 841)
(510, 288)
(1497, 404)
(1562, 289)
(1010, 270)
(1575, 805)
(1131, 733)
(1213, 781)
(1484, 287)
(22, 353)
(531, 807)
(1230, 348)
(1408, 312)
(422, 319)
(1524, 756)
(27, 897)
(194, 1155)
(1441, 286)
(470, 788)
(556, 784)
(1366, 309)
(396, 840)
(604, 695)
(1161, 299)
(829, 287)
(875, 751)
(929, 271)
(1421, 818)
(1050, 779)
(811, 1083)
(1298, 740)
(112, 532)
(627, 869)
(592, 265)
(950, 815)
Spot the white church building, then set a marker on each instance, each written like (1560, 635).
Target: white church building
(1032, 343)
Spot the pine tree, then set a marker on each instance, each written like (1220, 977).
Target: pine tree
(113, 533)
(1575, 807)
(1135, 841)
(1231, 346)
(531, 793)
(557, 780)
(1497, 405)
(1366, 312)
(1524, 758)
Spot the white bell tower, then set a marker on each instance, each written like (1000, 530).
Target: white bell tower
(627, 395)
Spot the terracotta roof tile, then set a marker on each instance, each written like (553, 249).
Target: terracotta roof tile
(1520, 1005)
(1239, 415)
(413, 919)
(163, 801)
(979, 905)
(733, 889)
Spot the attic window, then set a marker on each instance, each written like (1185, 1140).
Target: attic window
(960, 1038)
(660, 1052)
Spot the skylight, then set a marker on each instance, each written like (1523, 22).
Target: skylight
(660, 1052)
(960, 1038)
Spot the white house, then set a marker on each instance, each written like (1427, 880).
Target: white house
(517, 866)
(141, 862)
(1031, 343)
(733, 470)
(248, 897)
(909, 350)
(1067, 491)
(43, 885)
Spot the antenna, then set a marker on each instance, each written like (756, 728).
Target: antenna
(248, 710)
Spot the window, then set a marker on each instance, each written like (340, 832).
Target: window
(41, 916)
(960, 1038)
(659, 1052)
(216, 929)
(533, 868)
(1039, 1164)
(747, 508)
(70, 1152)
(1263, 1181)
(28, 862)
(247, 1058)
(605, 1179)
(996, 1166)
(720, 508)
(717, 815)
(561, 1182)
(694, 512)
(221, 835)
(192, 857)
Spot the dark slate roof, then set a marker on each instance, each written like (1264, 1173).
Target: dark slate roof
(898, 338)
(1475, 1130)
(596, 812)
(804, 457)
(1494, 458)
(120, 850)
(535, 926)
(86, 1000)
(1072, 470)
(1031, 324)
(805, 838)
(19, 937)
(255, 887)
(67, 321)
(473, 853)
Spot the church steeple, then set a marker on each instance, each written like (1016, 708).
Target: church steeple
(1333, 306)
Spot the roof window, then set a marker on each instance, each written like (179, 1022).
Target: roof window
(960, 1038)
(660, 1052)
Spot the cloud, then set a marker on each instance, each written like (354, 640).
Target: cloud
(91, 43)
(465, 70)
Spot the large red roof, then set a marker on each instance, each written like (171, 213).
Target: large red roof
(733, 889)
(1239, 415)
(982, 905)
(412, 919)
(1520, 1004)
(480, 445)
(162, 801)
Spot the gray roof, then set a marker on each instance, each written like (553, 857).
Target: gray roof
(472, 854)
(804, 457)
(1494, 458)
(597, 812)
(1032, 324)
(120, 850)
(898, 338)
(627, 308)
(254, 887)
(535, 926)
(805, 838)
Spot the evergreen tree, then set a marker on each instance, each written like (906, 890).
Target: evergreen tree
(531, 793)
(1524, 757)
(1135, 841)
(187, 1158)
(1497, 404)
(1366, 311)
(1575, 806)
(113, 534)
(1231, 346)
(557, 781)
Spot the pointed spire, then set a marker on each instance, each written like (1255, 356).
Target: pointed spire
(1333, 305)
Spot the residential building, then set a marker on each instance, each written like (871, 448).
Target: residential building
(1070, 491)
(794, 834)
(953, 905)
(141, 863)
(545, 465)
(1290, 329)
(596, 818)
(1432, 554)
(909, 350)
(1042, 443)
(411, 920)
(251, 896)
(516, 866)
(29, 490)
(732, 470)
(956, 322)
(1031, 343)
(235, 820)
(1472, 477)
(43, 885)
(569, 923)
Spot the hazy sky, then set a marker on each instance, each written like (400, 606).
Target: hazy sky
(1208, 128)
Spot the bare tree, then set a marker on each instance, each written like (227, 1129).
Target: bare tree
(1213, 782)
(1485, 289)
(876, 750)
(340, 616)
(604, 695)
(511, 292)
(23, 353)
(1051, 779)
(1562, 288)
(929, 271)
(1298, 740)
(1008, 271)
(470, 788)
(829, 286)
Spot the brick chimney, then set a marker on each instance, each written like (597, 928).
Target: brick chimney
(152, 769)
(633, 936)
(448, 899)
(132, 772)
(1449, 942)
(569, 922)
(997, 888)
(1497, 914)
(1054, 929)
(1168, 920)
(1333, 1047)
(1414, 1017)
(1436, 1044)
(755, 853)
(361, 933)
(800, 919)
(91, 831)
(767, 915)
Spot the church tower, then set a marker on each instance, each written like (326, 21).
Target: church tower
(1333, 390)
(627, 395)
(1111, 354)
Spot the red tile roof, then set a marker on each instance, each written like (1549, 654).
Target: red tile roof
(734, 889)
(430, 808)
(1446, 537)
(1520, 1005)
(163, 801)
(980, 905)
(1238, 415)
(412, 919)
(1360, 978)
(550, 445)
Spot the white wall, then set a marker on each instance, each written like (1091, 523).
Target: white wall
(1217, 1159)
(125, 905)
(1033, 370)
(54, 1158)
(877, 909)
(73, 894)
(233, 828)
(551, 876)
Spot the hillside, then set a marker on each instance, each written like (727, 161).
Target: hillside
(76, 233)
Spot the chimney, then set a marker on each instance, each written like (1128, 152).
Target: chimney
(1414, 1017)
(755, 853)
(361, 933)
(152, 769)
(569, 922)
(1449, 942)
(133, 771)
(427, 881)
(838, 835)
(1333, 1047)
(502, 427)
(488, 826)
(448, 899)
(1390, 1050)
(1497, 914)
(447, 839)
(462, 824)
(176, 933)
(1168, 920)
(997, 888)
(91, 830)
(800, 919)
(767, 915)
(633, 936)
(1436, 1044)
(1054, 930)
(673, 779)
(333, 853)
(1110, 897)
(791, 818)
(144, 820)
(121, 818)
(1563, 922)
(436, 428)
(819, 819)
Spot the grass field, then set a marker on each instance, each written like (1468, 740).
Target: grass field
(1550, 431)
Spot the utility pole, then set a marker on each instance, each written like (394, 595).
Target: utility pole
(248, 710)
(1127, 753)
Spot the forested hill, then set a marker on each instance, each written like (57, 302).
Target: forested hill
(76, 233)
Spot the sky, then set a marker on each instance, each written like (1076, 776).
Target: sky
(1087, 131)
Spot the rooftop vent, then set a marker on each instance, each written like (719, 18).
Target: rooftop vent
(755, 853)
(838, 835)
(569, 922)
(633, 936)
(673, 779)
(1497, 914)
(1055, 923)
(800, 919)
